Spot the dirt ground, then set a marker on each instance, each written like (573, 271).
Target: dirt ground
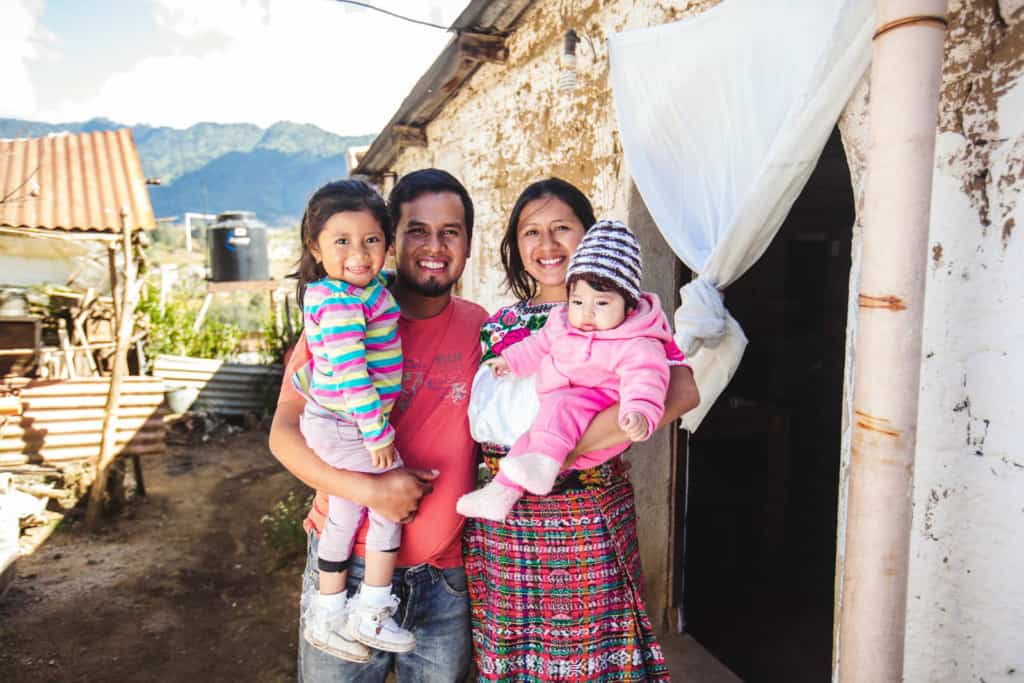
(179, 587)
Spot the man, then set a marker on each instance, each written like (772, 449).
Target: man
(433, 218)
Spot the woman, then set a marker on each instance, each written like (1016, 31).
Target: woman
(555, 588)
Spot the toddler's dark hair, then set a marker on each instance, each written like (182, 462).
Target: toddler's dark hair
(335, 197)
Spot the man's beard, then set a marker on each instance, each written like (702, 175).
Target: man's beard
(431, 288)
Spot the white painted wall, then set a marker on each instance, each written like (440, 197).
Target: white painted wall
(965, 618)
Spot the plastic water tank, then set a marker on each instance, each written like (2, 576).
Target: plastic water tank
(238, 248)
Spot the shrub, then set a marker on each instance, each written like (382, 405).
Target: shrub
(170, 330)
(282, 527)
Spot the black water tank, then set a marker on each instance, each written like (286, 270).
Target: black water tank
(238, 248)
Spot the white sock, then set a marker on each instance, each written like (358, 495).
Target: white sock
(377, 596)
(332, 603)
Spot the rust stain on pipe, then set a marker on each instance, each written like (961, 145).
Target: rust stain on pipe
(875, 424)
(893, 303)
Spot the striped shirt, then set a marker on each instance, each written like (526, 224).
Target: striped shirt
(356, 368)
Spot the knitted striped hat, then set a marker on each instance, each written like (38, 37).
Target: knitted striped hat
(610, 252)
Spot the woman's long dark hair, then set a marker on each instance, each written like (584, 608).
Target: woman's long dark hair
(516, 278)
(335, 197)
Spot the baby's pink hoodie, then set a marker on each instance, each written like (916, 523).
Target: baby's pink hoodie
(627, 361)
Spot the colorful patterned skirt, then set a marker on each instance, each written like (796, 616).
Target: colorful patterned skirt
(555, 588)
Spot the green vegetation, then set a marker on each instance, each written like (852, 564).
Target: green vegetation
(279, 336)
(170, 330)
(282, 527)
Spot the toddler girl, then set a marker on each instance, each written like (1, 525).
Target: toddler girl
(351, 383)
(606, 346)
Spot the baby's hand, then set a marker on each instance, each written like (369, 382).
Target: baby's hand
(383, 456)
(499, 366)
(635, 426)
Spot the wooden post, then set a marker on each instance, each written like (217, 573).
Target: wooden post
(112, 269)
(79, 330)
(201, 316)
(126, 321)
(288, 317)
(65, 345)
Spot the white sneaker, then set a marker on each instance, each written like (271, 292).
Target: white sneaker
(327, 631)
(372, 625)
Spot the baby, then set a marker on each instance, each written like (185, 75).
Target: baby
(606, 346)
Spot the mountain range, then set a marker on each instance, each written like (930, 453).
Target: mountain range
(214, 167)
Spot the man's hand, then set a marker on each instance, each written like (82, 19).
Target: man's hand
(635, 426)
(499, 366)
(397, 493)
(383, 457)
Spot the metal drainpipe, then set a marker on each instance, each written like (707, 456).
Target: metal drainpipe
(905, 76)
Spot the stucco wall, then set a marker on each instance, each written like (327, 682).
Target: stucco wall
(510, 126)
(965, 617)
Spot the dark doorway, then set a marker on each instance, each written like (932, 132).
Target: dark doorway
(762, 470)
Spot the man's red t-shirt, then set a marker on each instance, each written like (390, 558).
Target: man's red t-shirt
(432, 430)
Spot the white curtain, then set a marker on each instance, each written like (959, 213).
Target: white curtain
(722, 118)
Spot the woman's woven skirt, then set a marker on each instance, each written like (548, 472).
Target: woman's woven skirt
(556, 591)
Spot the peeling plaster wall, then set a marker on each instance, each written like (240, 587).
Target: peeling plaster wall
(965, 614)
(509, 126)
(965, 619)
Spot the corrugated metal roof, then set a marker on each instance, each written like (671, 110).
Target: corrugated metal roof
(445, 77)
(73, 182)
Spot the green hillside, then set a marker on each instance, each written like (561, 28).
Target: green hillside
(213, 167)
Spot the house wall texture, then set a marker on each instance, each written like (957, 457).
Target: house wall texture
(965, 613)
(509, 125)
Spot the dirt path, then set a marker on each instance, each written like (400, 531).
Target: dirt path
(179, 588)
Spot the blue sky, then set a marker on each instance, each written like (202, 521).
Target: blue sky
(178, 62)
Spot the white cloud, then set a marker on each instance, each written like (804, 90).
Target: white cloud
(188, 18)
(314, 61)
(25, 41)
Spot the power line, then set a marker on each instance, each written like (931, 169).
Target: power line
(392, 14)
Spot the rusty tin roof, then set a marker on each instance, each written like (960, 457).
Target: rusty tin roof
(73, 182)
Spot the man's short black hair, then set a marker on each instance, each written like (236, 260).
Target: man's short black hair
(429, 180)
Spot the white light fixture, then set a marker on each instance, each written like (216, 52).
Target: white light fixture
(567, 75)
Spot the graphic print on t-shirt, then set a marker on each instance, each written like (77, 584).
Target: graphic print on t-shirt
(446, 381)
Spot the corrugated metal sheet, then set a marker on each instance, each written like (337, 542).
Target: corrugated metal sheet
(73, 182)
(62, 420)
(230, 388)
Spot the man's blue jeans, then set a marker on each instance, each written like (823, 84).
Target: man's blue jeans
(435, 607)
